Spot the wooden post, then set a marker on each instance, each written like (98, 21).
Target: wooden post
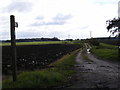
(13, 47)
(119, 47)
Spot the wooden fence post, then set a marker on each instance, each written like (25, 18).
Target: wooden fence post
(119, 47)
(13, 47)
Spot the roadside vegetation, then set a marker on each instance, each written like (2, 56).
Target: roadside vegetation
(58, 74)
(106, 51)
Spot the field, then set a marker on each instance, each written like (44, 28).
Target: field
(106, 51)
(35, 43)
(33, 57)
(56, 76)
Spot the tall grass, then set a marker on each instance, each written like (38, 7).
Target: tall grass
(106, 51)
(107, 46)
(36, 79)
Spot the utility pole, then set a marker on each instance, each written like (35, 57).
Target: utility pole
(13, 47)
(90, 34)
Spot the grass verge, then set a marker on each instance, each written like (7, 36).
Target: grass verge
(106, 52)
(55, 76)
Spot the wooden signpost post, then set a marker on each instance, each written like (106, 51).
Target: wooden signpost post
(13, 47)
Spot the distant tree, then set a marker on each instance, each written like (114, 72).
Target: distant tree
(115, 23)
(55, 39)
(94, 42)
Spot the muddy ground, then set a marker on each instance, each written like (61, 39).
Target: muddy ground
(95, 73)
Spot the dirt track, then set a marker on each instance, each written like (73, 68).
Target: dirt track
(95, 73)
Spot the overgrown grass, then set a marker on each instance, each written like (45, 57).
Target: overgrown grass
(106, 52)
(37, 43)
(51, 77)
(36, 79)
(107, 46)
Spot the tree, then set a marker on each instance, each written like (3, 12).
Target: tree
(115, 23)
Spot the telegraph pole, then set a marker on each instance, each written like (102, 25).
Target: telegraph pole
(90, 34)
(13, 47)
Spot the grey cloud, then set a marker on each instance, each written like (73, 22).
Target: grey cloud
(55, 23)
(3, 18)
(4, 34)
(105, 2)
(39, 18)
(4, 22)
(29, 34)
(62, 17)
(84, 27)
(38, 24)
(40, 34)
(59, 19)
(47, 23)
(57, 34)
(18, 6)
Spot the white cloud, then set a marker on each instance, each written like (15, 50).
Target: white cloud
(59, 17)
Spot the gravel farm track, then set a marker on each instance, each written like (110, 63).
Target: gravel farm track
(95, 73)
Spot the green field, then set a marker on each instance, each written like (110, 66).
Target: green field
(37, 43)
(106, 51)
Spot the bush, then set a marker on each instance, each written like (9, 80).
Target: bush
(94, 42)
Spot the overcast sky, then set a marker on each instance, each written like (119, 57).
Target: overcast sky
(57, 18)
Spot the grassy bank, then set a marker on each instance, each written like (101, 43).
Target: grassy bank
(57, 75)
(35, 43)
(106, 51)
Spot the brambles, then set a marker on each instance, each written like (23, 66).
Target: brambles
(32, 57)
